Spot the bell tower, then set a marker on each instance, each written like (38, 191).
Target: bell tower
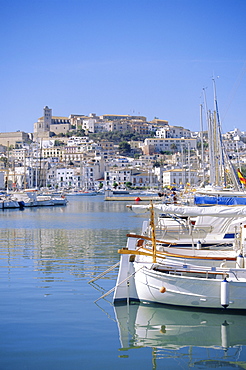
(47, 118)
(42, 126)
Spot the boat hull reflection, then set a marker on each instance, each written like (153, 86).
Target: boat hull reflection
(152, 325)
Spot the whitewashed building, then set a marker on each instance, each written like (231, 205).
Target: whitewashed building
(157, 145)
(180, 176)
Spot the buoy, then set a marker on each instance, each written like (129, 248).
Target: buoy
(199, 245)
(162, 289)
(240, 261)
(137, 199)
(224, 293)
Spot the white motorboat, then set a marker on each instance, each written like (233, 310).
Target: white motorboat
(44, 200)
(28, 198)
(8, 202)
(33, 198)
(81, 193)
(59, 200)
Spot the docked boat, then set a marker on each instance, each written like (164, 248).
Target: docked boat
(44, 200)
(81, 193)
(143, 278)
(28, 198)
(228, 197)
(146, 274)
(7, 202)
(59, 200)
(34, 198)
(195, 227)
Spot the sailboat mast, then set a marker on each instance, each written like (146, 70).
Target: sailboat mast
(7, 172)
(209, 119)
(211, 149)
(216, 150)
(202, 147)
(221, 151)
(152, 225)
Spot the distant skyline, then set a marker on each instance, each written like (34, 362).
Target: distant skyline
(151, 58)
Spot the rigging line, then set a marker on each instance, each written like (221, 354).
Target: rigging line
(234, 89)
(116, 286)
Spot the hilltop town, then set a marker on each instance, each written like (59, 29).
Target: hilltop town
(109, 151)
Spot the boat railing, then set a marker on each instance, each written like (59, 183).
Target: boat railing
(191, 271)
(177, 231)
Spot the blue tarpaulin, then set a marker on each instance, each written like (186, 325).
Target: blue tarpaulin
(218, 200)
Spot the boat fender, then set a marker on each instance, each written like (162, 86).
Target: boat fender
(224, 293)
(132, 258)
(163, 329)
(163, 289)
(240, 261)
(199, 245)
(140, 242)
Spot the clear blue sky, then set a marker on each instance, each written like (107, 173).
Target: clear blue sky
(152, 58)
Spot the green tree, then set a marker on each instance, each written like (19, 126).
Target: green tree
(173, 146)
(124, 146)
(128, 184)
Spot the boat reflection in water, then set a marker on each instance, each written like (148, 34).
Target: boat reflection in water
(170, 329)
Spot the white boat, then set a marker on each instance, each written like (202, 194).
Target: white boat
(148, 275)
(32, 198)
(81, 193)
(7, 202)
(141, 279)
(28, 198)
(59, 200)
(195, 227)
(44, 200)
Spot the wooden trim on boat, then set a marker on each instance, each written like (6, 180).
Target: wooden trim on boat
(138, 252)
(196, 257)
(160, 254)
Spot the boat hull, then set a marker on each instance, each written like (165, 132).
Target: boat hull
(187, 291)
(181, 285)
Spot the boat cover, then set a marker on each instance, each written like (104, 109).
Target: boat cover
(202, 200)
(192, 211)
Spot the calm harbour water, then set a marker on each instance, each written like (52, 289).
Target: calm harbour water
(48, 316)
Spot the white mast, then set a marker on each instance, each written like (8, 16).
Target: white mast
(202, 147)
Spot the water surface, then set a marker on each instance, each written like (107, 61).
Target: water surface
(48, 316)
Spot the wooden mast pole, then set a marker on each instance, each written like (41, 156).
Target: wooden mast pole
(153, 237)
